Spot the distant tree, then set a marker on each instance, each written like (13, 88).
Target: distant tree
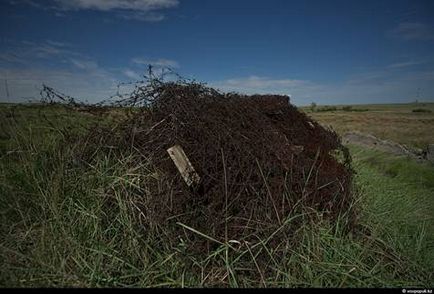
(313, 106)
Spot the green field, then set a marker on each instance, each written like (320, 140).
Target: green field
(57, 230)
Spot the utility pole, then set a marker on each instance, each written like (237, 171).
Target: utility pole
(7, 87)
(150, 71)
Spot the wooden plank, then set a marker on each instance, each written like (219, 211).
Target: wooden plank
(184, 165)
(296, 149)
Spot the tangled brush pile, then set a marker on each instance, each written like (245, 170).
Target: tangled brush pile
(259, 160)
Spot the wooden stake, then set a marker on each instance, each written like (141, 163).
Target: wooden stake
(184, 165)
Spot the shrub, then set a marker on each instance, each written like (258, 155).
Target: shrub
(313, 106)
(422, 110)
(327, 108)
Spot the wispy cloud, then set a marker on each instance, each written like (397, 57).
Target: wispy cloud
(380, 85)
(404, 64)
(57, 43)
(84, 64)
(45, 53)
(25, 83)
(155, 62)
(27, 65)
(30, 52)
(143, 10)
(107, 5)
(413, 31)
(142, 16)
(10, 57)
(91, 68)
(261, 85)
(32, 3)
(131, 74)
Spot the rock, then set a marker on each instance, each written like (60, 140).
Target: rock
(430, 153)
(370, 141)
(373, 142)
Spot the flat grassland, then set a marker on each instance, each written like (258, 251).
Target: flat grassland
(411, 124)
(56, 229)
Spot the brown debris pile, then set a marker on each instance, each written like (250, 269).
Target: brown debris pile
(259, 159)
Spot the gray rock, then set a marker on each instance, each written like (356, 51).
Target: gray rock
(373, 142)
(430, 153)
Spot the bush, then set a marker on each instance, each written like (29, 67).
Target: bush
(350, 108)
(422, 110)
(313, 106)
(327, 108)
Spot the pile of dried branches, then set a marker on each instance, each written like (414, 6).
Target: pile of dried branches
(259, 159)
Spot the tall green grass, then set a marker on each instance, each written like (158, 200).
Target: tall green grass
(68, 224)
(399, 203)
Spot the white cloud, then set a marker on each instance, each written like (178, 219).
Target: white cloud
(380, 86)
(25, 84)
(143, 16)
(27, 65)
(413, 31)
(142, 10)
(404, 64)
(27, 2)
(10, 57)
(256, 82)
(107, 5)
(30, 52)
(57, 43)
(131, 74)
(300, 91)
(84, 64)
(89, 81)
(35, 55)
(156, 63)
(261, 85)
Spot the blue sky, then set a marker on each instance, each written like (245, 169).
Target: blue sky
(329, 52)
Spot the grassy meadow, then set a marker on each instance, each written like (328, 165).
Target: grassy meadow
(410, 124)
(57, 229)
